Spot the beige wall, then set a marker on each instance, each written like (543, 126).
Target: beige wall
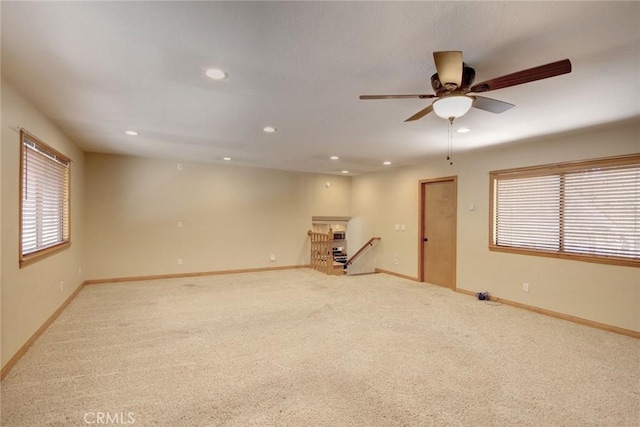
(31, 294)
(233, 217)
(602, 293)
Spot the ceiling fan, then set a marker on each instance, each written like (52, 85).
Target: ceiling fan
(456, 93)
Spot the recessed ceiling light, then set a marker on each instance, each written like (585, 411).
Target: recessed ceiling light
(226, 158)
(463, 130)
(345, 171)
(334, 157)
(269, 129)
(387, 163)
(131, 132)
(216, 74)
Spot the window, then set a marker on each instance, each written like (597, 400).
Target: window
(588, 210)
(44, 201)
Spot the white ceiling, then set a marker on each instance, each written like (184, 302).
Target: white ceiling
(100, 68)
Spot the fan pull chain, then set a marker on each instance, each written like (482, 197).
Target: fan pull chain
(450, 142)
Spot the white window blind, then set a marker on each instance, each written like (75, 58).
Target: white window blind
(528, 212)
(602, 212)
(45, 197)
(586, 209)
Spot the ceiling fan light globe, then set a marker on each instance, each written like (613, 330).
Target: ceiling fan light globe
(452, 106)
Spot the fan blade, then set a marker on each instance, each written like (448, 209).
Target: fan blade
(396, 96)
(491, 105)
(449, 67)
(525, 76)
(420, 114)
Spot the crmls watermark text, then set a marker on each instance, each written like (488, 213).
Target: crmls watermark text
(103, 418)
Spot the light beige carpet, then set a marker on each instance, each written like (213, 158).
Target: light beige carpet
(298, 348)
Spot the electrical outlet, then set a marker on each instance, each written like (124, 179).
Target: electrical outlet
(62, 285)
(525, 287)
(272, 258)
(179, 166)
(179, 224)
(395, 259)
(179, 261)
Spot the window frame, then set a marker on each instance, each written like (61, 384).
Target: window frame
(549, 170)
(26, 259)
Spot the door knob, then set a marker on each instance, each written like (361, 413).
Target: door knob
(425, 239)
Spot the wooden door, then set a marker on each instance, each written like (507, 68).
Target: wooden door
(438, 206)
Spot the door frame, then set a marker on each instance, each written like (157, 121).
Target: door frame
(421, 217)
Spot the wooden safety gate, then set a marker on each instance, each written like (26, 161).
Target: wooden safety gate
(322, 251)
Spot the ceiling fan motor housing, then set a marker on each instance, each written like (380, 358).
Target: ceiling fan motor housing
(468, 76)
